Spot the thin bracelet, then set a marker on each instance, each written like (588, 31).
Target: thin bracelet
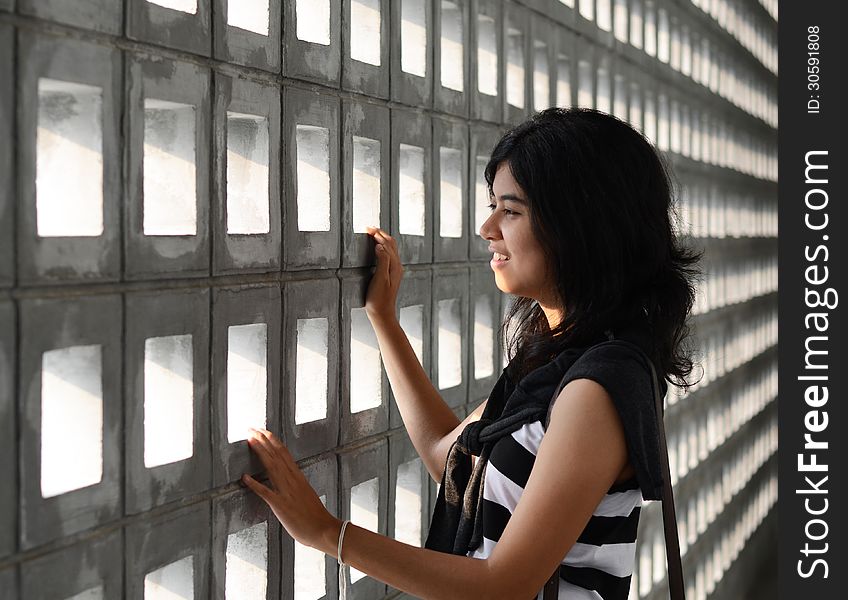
(342, 565)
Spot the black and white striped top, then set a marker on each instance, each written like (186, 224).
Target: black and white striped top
(600, 564)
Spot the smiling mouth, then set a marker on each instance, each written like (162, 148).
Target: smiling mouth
(500, 257)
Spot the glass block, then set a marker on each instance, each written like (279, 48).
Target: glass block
(95, 593)
(412, 323)
(250, 15)
(71, 419)
(484, 337)
(366, 390)
(312, 147)
(585, 97)
(69, 139)
(587, 9)
(636, 25)
(635, 106)
(650, 29)
(186, 6)
(411, 208)
(620, 95)
(247, 563)
(449, 343)
(309, 570)
(620, 20)
(311, 370)
(247, 379)
(413, 38)
(168, 400)
(452, 42)
(541, 76)
(313, 21)
(604, 15)
(487, 56)
(515, 67)
(364, 499)
(248, 190)
(365, 39)
(408, 503)
(366, 183)
(170, 197)
(174, 581)
(481, 193)
(450, 192)
(563, 90)
(604, 99)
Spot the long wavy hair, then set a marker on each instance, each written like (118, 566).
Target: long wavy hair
(601, 206)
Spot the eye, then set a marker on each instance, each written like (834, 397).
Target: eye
(506, 210)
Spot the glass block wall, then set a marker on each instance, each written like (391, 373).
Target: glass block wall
(184, 190)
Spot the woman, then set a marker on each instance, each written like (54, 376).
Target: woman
(581, 234)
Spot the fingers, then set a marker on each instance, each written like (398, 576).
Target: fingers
(262, 491)
(381, 236)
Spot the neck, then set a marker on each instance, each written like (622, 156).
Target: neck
(553, 313)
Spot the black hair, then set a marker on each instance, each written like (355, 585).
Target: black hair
(601, 205)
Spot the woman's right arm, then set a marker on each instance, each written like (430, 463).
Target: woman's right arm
(431, 424)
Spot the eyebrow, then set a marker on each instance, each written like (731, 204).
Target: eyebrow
(513, 198)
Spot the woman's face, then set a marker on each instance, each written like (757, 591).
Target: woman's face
(510, 235)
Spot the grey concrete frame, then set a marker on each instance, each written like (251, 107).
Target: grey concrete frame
(589, 28)
(555, 10)
(42, 259)
(414, 290)
(484, 106)
(240, 253)
(76, 569)
(307, 60)
(355, 426)
(60, 323)
(542, 29)
(7, 180)
(7, 5)
(248, 48)
(446, 99)
(451, 283)
(323, 476)
(450, 134)
(155, 256)
(98, 15)
(154, 314)
(9, 582)
(232, 513)
(482, 141)
(243, 305)
(309, 249)
(153, 544)
(565, 45)
(306, 300)
(362, 77)
(175, 29)
(517, 16)
(370, 121)
(356, 466)
(8, 450)
(412, 128)
(401, 451)
(408, 88)
(482, 283)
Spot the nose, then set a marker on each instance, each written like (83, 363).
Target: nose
(489, 229)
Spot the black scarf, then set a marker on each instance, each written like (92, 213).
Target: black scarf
(457, 526)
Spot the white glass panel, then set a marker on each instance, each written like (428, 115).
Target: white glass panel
(515, 67)
(95, 593)
(186, 6)
(563, 91)
(310, 580)
(364, 499)
(313, 178)
(250, 15)
(604, 100)
(412, 323)
(313, 21)
(604, 15)
(487, 56)
(541, 76)
(587, 9)
(452, 64)
(411, 190)
(247, 563)
(69, 140)
(484, 338)
(620, 20)
(71, 419)
(365, 374)
(620, 96)
(408, 503)
(481, 194)
(366, 183)
(585, 87)
(248, 148)
(663, 42)
(168, 400)
(365, 31)
(449, 343)
(650, 29)
(172, 582)
(311, 371)
(247, 379)
(170, 196)
(413, 37)
(635, 106)
(450, 192)
(636, 24)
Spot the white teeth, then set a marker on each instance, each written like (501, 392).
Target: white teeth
(499, 256)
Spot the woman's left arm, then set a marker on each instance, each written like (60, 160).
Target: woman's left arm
(579, 458)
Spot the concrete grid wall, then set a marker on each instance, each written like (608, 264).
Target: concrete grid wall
(160, 279)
